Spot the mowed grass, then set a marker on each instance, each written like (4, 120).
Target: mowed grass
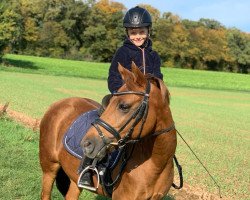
(82, 69)
(214, 122)
(216, 125)
(20, 173)
(18, 165)
(33, 93)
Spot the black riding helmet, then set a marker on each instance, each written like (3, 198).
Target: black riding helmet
(137, 17)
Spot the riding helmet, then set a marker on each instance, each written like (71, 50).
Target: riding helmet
(137, 17)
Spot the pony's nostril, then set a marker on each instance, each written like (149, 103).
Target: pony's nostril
(88, 146)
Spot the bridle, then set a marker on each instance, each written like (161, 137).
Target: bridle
(140, 114)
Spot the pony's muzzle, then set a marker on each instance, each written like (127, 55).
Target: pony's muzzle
(88, 146)
(93, 147)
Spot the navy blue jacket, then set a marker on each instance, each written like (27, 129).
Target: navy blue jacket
(128, 53)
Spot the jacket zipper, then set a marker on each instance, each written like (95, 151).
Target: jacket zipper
(143, 61)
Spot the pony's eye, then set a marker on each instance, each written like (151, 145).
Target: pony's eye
(124, 107)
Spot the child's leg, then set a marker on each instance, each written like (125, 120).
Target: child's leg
(86, 178)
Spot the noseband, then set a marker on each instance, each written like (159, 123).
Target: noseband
(139, 115)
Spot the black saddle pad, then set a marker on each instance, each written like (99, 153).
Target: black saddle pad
(77, 131)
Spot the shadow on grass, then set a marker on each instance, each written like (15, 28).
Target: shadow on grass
(106, 198)
(169, 198)
(20, 64)
(102, 198)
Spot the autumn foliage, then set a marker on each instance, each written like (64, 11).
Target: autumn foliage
(92, 30)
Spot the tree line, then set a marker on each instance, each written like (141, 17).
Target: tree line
(92, 30)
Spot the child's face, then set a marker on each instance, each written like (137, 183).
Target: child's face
(138, 35)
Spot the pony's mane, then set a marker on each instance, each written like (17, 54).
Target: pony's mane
(156, 81)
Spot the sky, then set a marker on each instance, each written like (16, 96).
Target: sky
(230, 13)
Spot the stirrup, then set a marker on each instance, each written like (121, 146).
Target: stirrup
(89, 168)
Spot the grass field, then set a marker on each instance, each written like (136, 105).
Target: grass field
(18, 165)
(20, 172)
(212, 117)
(172, 76)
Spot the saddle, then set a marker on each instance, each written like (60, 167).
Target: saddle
(72, 140)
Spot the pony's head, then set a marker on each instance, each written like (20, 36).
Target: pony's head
(132, 113)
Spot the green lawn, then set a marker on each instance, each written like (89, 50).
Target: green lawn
(19, 168)
(82, 69)
(20, 173)
(214, 122)
(32, 93)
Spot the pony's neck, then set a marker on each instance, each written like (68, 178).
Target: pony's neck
(159, 148)
(164, 118)
(165, 144)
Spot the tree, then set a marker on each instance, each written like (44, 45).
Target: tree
(239, 44)
(155, 13)
(92, 29)
(32, 13)
(211, 24)
(75, 22)
(3, 38)
(171, 39)
(104, 32)
(210, 48)
(53, 41)
(170, 17)
(163, 29)
(189, 24)
(60, 24)
(10, 26)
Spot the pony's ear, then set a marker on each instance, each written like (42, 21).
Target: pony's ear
(106, 100)
(139, 76)
(126, 74)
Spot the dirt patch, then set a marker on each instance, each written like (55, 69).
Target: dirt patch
(20, 117)
(193, 193)
(186, 193)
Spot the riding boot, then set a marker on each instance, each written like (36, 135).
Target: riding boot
(86, 178)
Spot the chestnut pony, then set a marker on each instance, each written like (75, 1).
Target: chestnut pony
(138, 116)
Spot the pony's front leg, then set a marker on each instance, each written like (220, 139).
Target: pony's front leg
(73, 192)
